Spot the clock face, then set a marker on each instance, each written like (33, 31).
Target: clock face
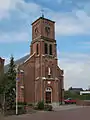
(36, 31)
(47, 28)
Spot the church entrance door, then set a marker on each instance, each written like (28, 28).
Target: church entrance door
(48, 95)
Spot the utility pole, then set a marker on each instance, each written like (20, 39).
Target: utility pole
(16, 97)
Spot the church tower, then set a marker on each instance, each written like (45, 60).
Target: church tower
(42, 79)
(48, 76)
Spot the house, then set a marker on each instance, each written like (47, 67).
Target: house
(75, 90)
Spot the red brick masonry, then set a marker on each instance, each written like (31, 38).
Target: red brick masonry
(83, 102)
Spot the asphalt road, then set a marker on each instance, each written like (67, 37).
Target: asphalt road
(68, 114)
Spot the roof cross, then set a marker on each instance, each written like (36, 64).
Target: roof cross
(42, 12)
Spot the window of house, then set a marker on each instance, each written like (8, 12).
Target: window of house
(37, 49)
(50, 49)
(46, 48)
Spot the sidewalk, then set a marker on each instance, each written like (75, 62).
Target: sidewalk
(66, 107)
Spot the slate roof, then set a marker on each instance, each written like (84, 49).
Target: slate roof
(17, 62)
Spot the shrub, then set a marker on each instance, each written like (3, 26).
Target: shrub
(21, 109)
(40, 105)
(35, 108)
(22, 103)
(30, 104)
(48, 107)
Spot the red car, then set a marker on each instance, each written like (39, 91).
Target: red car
(70, 101)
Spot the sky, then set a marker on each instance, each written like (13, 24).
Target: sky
(72, 33)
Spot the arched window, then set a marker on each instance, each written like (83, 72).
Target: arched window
(46, 48)
(37, 49)
(50, 49)
(48, 89)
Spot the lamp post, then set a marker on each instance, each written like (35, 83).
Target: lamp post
(17, 72)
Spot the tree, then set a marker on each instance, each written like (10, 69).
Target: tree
(11, 84)
(70, 88)
(11, 74)
(3, 82)
(8, 85)
(69, 94)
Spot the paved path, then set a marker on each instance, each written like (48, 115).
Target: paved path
(82, 113)
(66, 107)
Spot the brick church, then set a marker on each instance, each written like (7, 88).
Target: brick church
(39, 76)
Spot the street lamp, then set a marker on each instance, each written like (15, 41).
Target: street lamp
(17, 72)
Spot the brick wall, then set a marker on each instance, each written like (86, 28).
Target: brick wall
(83, 102)
(28, 80)
(1, 66)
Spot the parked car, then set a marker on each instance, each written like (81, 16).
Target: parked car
(70, 101)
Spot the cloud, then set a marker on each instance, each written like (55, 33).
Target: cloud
(59, 1)
(76, 69)
(75, 23)
(28, 7)
(18, 13)
(8, 6)
(15, 19)
(4, 7)
(85, 43)
(14, 37)
(75, 56)
(5, 4)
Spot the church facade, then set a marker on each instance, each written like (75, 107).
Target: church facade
(40, 78)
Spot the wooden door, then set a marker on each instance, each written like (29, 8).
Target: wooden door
(48, 97)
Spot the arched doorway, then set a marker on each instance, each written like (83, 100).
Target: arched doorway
(48, 95)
